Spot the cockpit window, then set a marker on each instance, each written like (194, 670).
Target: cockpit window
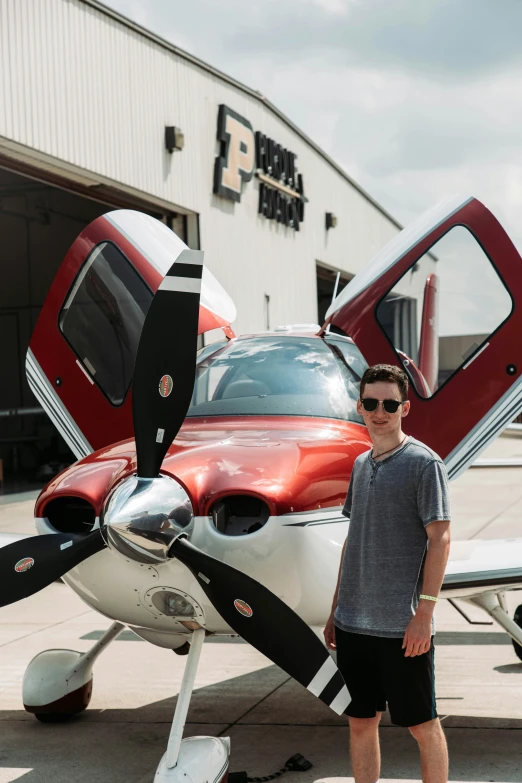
(282, 376)
(351, 356)
(103, 316)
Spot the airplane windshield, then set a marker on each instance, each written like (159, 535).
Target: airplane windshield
(279, 376)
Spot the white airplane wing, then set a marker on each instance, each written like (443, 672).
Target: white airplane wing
(480, 566)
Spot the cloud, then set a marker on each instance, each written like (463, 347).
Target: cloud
(441, 38)
(452, 39)
(416, 100)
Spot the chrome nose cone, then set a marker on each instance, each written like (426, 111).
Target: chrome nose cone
(142, 517)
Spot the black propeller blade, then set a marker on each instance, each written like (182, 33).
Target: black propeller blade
(165, 364)
(31, 564)
(267, 623)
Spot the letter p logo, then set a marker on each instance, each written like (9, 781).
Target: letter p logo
(235, 163)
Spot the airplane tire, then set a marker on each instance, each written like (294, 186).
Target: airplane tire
(52, 717)
(517, 617)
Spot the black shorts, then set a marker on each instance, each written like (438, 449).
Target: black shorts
(377, 673)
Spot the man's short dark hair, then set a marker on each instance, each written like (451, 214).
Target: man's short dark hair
(388, 373)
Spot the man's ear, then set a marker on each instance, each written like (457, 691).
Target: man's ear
(405, 408)
(359, 407)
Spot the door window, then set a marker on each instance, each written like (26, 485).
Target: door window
(443, 310)
(103, 316)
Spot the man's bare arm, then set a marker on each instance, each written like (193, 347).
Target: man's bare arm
(436, 558)
(417, 638)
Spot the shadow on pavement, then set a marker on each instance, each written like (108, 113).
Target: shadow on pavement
(267, 716)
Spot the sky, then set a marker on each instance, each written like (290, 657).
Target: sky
(415, 99)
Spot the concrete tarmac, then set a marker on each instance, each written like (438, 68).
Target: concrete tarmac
(240, 694)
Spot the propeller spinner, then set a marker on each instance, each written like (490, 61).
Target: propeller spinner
(148, 516)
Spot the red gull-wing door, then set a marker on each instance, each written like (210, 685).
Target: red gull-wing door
(81, 356)
(477, 388)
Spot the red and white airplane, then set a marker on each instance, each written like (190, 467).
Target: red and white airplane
(224, 514)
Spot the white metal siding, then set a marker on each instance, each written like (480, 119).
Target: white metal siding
(84, 87)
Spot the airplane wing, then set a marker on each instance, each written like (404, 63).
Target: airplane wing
(498, 462)
(81, 357)
(476, 567)
(479, 383)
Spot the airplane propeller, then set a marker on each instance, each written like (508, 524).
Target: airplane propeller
(29, 565)
(162, 390)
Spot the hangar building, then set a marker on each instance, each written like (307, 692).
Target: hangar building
(97, 113)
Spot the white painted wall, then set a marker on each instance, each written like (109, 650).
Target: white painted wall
(81, 85)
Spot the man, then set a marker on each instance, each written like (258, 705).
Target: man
(391, 572)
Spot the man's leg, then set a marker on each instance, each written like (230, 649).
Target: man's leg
(433, 751)
(365, 753)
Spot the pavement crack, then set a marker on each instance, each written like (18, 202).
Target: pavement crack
(47, 627)
(253, 707)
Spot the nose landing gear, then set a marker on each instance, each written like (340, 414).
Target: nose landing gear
(58, 685)
(199, 759)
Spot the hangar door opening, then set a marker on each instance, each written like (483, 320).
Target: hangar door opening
(38, 223)
(326, 278)
(398, 313)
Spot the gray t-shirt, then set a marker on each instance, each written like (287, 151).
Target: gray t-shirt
(390, 502)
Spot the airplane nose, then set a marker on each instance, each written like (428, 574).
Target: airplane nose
(142, 517)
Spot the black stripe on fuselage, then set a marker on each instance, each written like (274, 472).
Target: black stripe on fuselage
(320, 522)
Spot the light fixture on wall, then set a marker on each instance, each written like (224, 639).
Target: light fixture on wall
(330, 220)
(174, 138)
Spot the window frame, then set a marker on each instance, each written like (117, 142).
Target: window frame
(478, 349)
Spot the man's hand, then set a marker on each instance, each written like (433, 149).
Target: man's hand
(417, 639)
(329, 633)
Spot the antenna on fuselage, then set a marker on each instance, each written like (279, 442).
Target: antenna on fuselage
(333, 297)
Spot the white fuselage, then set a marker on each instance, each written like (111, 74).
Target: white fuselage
(296, 556)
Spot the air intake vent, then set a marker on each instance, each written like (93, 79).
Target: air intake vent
(239, 515)
(70, 515)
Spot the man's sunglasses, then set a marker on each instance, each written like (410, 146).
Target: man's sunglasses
(390, 406)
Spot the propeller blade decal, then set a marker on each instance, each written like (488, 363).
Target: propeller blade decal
(31, 564)
(267, 623)
(166, 362)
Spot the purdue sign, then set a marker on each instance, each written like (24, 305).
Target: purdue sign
(242, 154)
